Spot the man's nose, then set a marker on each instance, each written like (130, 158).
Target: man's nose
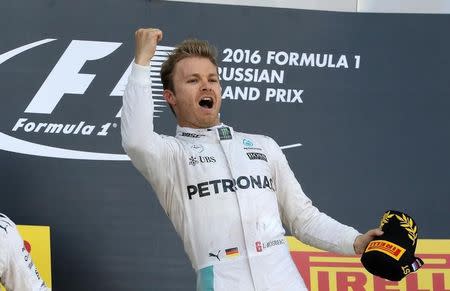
(205, 85)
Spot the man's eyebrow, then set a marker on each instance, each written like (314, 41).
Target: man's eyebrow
(198, 75)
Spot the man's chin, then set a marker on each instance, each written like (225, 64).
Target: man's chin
(203, 122)
(210, 123)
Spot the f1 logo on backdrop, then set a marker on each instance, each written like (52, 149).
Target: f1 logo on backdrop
(65, 78)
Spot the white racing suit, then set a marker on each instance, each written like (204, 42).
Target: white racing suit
(17, 270)
(227, 194)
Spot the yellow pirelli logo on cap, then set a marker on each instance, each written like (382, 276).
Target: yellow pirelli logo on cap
(386, 247)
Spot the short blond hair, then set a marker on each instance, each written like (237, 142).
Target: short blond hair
(188, 48)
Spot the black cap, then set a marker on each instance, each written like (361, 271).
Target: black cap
(391, 255)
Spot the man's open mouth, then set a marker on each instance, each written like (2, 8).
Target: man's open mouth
(206, 102)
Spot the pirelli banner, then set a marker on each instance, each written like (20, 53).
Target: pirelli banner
(358, 102)
(326, 271)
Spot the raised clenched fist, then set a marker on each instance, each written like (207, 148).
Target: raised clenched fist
(146, 40)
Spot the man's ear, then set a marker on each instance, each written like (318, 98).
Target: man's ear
(169, 97)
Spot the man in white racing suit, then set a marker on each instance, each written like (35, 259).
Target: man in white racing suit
(17, 270)
(227, 193)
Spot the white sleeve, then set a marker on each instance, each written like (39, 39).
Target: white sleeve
(3, 254)
(149, 152)
(18, 272)
(302, 218)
